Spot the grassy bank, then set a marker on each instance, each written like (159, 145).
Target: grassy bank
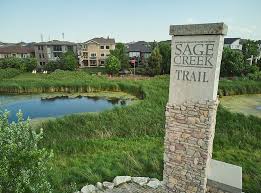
(129, 140)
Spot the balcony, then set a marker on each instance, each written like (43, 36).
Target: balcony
(93, 57)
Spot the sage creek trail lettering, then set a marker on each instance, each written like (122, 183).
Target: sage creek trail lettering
(200, 54)
(191, 75)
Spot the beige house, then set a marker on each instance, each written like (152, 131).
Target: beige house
(16, 51)
(52, 50)
(95, 51)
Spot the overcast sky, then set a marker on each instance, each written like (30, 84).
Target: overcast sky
(124, 20)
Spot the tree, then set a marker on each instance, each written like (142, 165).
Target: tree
(68, 61)
(24, 166)
(121, 53)
(250, 48)
(154, 62)
(112, 65)
(24, 64)
(232, 63)
(52, 66)
(28, 64)
(165, 51)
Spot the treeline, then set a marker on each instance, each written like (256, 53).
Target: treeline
(23, 64)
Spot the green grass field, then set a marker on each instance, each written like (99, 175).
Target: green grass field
(129, 141)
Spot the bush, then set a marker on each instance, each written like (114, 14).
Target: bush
(68, 61)
(154, 62)
(9, 73)
(23, 166)
(237, 87)
(255, 76)
(24, 64)
(112, 65)
(232, 63)
(52, 66)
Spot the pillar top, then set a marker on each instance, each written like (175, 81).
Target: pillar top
(198, 29)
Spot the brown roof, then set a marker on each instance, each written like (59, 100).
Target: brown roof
(16, 49)
(56, 42)
(103, 40)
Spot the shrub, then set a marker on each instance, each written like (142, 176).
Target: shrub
(154, 62)
(232, 63)
(112, 65)
(24, 64)
(68, 61)
(23, 165)
(52, 66)
(8, 73)
(255, 76)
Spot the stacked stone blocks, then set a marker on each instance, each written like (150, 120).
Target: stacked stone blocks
(188, 145)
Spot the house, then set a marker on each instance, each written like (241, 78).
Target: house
(52, 50)
(95, 51)
(17, 51)
(139, 51)
(233, 43)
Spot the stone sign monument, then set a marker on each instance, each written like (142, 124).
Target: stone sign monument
(191, 109)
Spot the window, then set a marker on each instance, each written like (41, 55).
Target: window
(14, 55)
(40, 55)
(102, 62)
(93, 54)
(85, 54)
(70, 48)
(57, 48)
(92, 62)
(43, 63)
(102, 47)
(102, 54)
(40, 47)
(107, 47)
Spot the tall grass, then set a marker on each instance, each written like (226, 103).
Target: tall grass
(237, 87)
(129, 140)
(9, 73)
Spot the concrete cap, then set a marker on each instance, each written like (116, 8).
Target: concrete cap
(198, 29)
(225, 176)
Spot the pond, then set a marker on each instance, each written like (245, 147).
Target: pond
(42, 106)
(246, 104)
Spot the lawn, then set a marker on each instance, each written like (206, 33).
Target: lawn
(129, 140)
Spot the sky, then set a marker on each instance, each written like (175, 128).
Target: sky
(124, 20)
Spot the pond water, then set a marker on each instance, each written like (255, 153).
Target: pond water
(246, 104)
(37, 106)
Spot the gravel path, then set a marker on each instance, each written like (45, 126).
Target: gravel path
(133, 188)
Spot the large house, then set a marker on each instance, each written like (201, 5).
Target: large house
(95, 51)
(139, 51)
(233, 43)
(52, 50)
(16, 51)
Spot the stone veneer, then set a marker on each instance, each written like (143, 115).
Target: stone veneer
(188, 145)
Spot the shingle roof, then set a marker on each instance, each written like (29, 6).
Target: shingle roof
(56, 42)
(230, 40)
(16, 49)
(140, 46)
(102, 40)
